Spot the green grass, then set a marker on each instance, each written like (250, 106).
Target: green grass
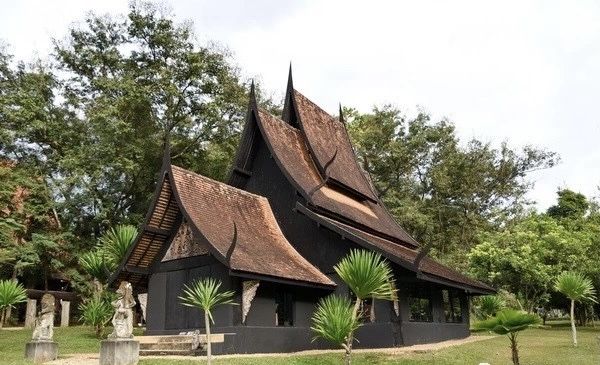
(549, 346)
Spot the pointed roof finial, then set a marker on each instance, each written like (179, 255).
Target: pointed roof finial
(290, 84)
(341, 116)
(253, 102)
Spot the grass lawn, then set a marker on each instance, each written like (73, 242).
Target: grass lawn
(549, 346)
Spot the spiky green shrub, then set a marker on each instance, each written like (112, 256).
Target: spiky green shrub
(96, 312)
(509, 322)
(116, 242)
(334, 321)
(367, 275)
(11, 293)
(577, 288)
(205, 295)
(487, 306)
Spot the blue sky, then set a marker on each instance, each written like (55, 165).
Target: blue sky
(515, 71)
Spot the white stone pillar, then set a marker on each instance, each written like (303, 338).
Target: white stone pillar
(64, 313)
(30, 313)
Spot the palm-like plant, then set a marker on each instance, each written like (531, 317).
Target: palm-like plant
(204, 294)
(367, 275)
(509, 322)
(488, 305)
(11, 293)
(117, 240)
(96, 312)
(577, 288)
(334, 321)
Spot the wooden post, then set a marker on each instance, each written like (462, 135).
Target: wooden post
(64, 314)
(30, 313)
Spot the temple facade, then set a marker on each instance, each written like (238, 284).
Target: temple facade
(296, 202)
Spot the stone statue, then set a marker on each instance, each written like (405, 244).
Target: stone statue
(123, 318)
(44, 323)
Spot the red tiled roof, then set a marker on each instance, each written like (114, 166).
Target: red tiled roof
(287, 144)
(241, 227)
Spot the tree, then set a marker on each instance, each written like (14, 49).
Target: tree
(204, 294)
(577, 288)
(11, 293)
(367, 275)
(103, 260)
(570, 205)
(509, 322)
(441, 190)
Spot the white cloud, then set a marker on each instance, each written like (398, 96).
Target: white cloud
(525, 72)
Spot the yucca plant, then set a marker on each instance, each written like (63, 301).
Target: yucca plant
(577, 288)
(509, 322)
(117, 240)
(204, 294)
(488, 305)
(367, 275)
(11, 293)
(335, 322)
(96, 312)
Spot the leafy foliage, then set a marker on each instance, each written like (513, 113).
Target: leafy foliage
(115, 242)
(96, 312)
(367, 274)
(575, 286)
(509, 322)
(334, 321)
(442, 191)
(205, 295)
(11, 293)
(488, 305)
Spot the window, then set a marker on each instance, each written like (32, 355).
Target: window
(284, 310)
(452, 309)
(420, 309)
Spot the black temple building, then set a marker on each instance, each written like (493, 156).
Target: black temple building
(297, 201)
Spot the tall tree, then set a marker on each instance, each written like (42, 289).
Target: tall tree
(441, 190)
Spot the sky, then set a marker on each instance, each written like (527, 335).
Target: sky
(524, 72)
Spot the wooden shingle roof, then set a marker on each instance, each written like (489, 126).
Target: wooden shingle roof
(238, 227)
(294, 159)
(429, 268)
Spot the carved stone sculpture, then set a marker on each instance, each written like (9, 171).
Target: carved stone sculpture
(122, 320)
(41, 348)
(44, 323)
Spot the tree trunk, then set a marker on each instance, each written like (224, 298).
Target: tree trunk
(514, 349)
(573, 329)
(208, 344)
(347, 358)
(348, 355)
(2, 318)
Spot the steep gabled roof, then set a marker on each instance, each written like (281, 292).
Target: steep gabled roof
(293, 157)
(327, 136)
(238, 226)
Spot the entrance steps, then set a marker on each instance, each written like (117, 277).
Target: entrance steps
(184, 345)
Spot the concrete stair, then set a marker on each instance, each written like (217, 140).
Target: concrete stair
(184, 345)
(170, 345)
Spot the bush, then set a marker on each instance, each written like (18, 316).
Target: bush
(96, 312)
